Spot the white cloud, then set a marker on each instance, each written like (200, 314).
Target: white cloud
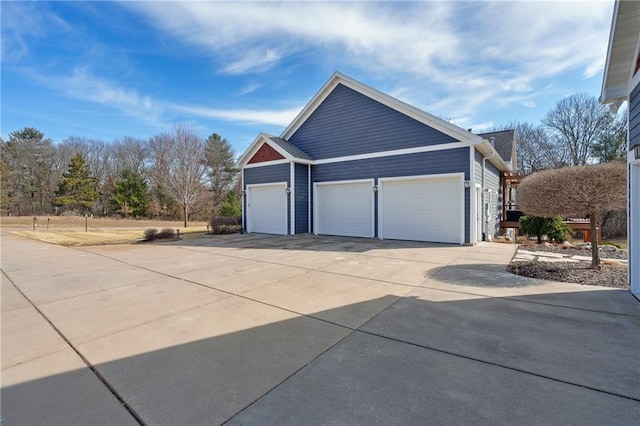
(257, 61)
(270, 117)
(456, 57)
(82, 84)
(249, 88)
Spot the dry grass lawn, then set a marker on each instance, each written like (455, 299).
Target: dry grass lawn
(70, 231)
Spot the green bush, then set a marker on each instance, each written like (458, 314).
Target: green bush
(231, 205)
(553, 227)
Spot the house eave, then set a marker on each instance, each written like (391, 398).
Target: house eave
(622, 51)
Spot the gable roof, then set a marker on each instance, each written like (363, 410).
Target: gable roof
(288, 150)
(622, 52)
(396, 104)
(293, 153)
(504, 143)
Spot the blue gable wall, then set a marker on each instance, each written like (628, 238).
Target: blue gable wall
(302, 198)
(634, 117)
(350, 123)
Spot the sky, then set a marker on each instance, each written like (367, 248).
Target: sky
(106, 70)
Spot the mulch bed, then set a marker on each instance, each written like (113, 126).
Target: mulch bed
(579, 273)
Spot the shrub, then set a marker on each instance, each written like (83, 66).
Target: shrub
(225, 224)
(231, 205)
(166, 234)
(150, 234)
(553, 227)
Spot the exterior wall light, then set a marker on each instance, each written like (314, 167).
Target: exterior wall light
(375, 188)
(287, 190)
(467, 184)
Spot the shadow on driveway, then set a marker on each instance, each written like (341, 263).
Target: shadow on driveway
(461, 359)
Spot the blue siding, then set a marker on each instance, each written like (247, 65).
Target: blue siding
(302, 198)
(267, 174)
(426, 163)
(634, 117)
(492, 182)
(350, 123)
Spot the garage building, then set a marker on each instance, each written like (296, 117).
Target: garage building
(357, 162)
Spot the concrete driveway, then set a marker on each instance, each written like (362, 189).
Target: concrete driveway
(249, 329)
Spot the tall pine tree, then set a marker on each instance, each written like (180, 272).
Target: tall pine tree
(130, 195)
(78, 189)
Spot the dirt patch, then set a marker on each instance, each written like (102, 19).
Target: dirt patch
(612, 273)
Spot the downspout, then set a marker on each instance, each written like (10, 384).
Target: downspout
(484, 165)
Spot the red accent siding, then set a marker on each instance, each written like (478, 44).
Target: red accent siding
(265, 153)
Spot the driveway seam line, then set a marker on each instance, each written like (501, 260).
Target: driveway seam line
(498, 365)
(358, 329)
(289, 376)
(91, 367)
(513, 299)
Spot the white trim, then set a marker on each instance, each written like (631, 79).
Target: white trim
(473, 232)
(342, 182)
(381, 181)
(402, 107)
(405, 151)
(257, 185)
(266, 163)
(292, 197)
(605, 93)
(244, 200)
(308, 197)
(633, 220)
(261, 139)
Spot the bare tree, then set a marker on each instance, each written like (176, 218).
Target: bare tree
(576, 123)
(219, 157)
(589, 190)
(178, 166)
(534, 147)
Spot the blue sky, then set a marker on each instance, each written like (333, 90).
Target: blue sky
(105, 70)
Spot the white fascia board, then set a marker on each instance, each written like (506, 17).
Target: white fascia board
(603, 98)
(255, 145)
(486, 149)
(393, 103)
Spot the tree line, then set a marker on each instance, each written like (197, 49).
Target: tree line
(177, 174)
(578, 131)
(172, 175)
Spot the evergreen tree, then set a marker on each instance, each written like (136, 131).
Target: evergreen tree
(131, 194)
(78, 189)
(231, 205)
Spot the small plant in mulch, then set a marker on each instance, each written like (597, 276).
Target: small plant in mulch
(226, 224)
(167, 234)
(150, 234)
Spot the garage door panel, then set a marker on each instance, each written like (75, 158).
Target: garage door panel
(344, 209)
(422, 209)
(268, 209)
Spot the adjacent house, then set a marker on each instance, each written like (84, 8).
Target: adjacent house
(357, 162)
(622, 83)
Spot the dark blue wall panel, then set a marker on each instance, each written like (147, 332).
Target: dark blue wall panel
(424, 163)
(267, 174)
(350, 123)
(302, 198)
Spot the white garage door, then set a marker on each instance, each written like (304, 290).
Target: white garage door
(422, 209)
(267, 208)
(344, 208)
